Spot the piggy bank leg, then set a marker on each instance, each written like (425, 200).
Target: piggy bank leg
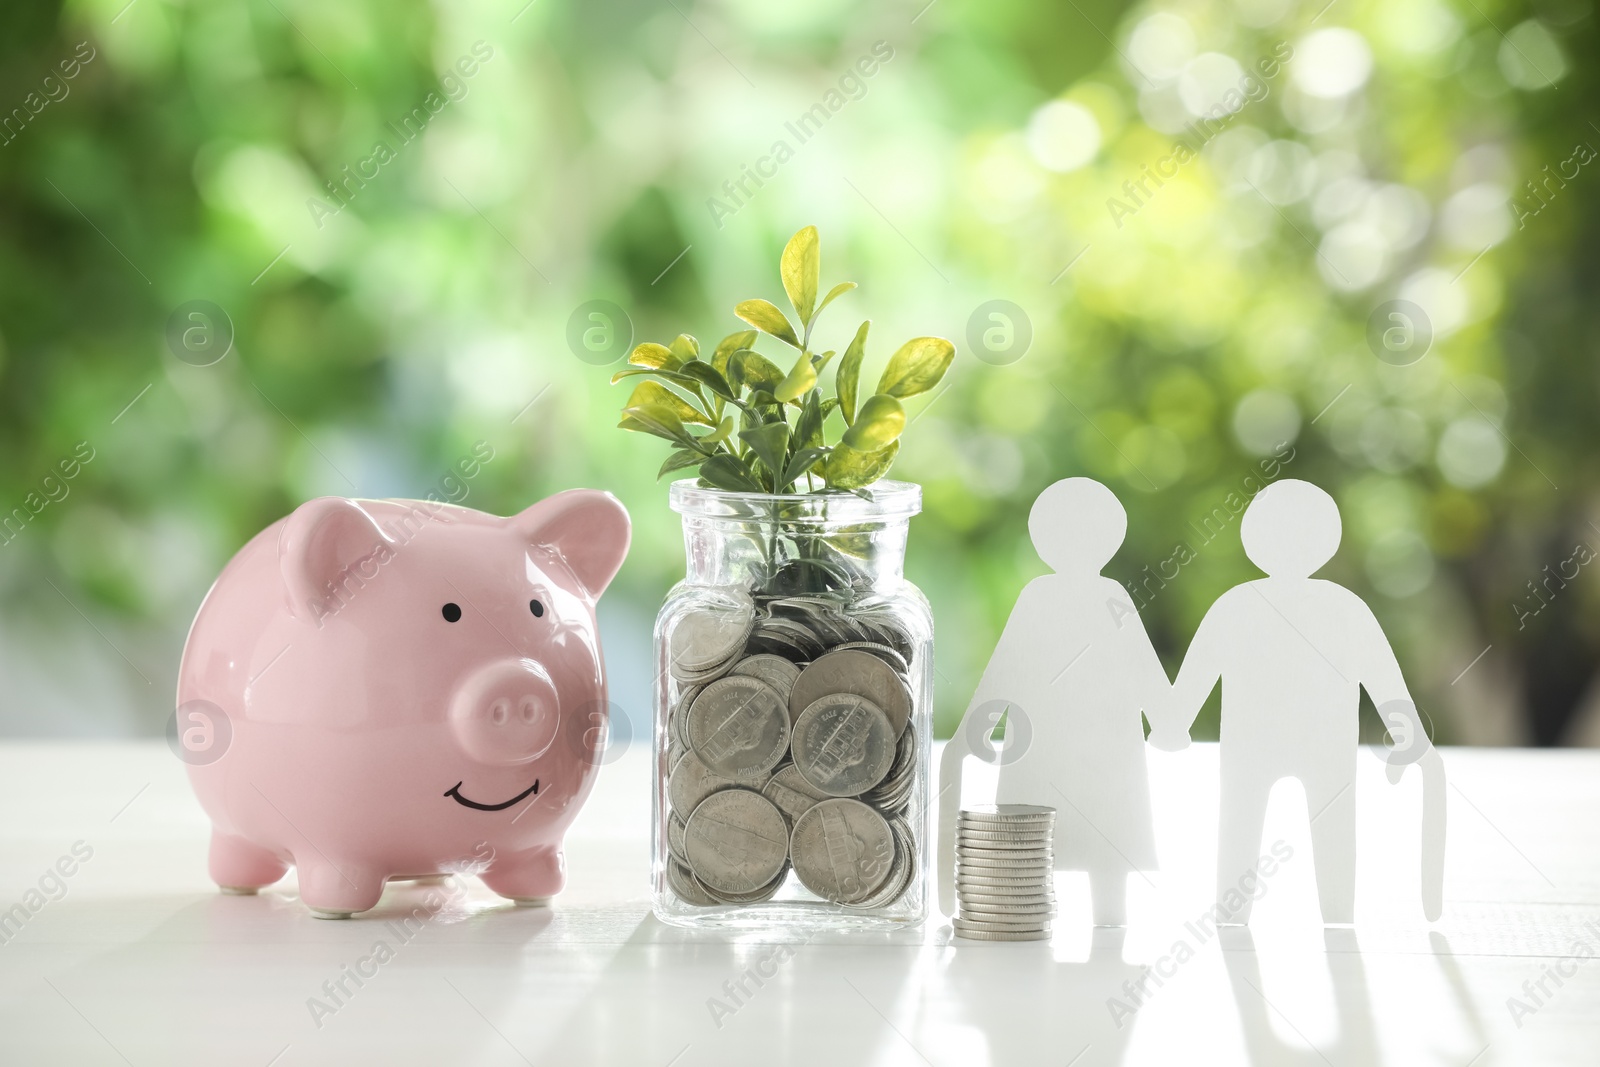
(338, 892)
(530, 878)
(241, 868)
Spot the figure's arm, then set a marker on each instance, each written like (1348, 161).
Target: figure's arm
(948, 800)
(1202, 668)
(1151, 690)
(1381, 677)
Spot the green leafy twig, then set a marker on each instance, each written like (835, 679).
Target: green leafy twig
(777, 431)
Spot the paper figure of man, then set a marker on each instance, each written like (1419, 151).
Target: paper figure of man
(1073, 670)
(1292, 653)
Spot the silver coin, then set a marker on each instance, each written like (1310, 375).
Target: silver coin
(690, 782)
(970, 933)
(1003, 853)
(992, 923)
(882, 651)
(1036, 826)
(999, 881)
(854, 671)
(894, 791)
(842, 850)
(789, 790)
(682, 882)
(789, 635)
(1004, 866)
(708, 637)
(1006, 912)
(995, 900)
(737, 841)
(768, 644)
(966, 837)
(766, 892)
(1029, 856)
(776, 671)
(969, 888)
(991, 838)
(675, 842)
(977, 833)
(900, 873)
(739, 727)
(843, 744)
(1037, 888)
(680, 710)
(1007, 812)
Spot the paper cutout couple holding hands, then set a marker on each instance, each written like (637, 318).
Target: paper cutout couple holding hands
(1075, 668)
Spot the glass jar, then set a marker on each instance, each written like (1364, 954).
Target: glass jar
(793, 714)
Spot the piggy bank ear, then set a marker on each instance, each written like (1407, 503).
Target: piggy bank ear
(587, 528)
(319, 543)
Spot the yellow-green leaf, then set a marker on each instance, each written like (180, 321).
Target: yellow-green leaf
(720, 434)
(848, 377)
(798, 381)
(878, 423)
(728, 346)
(917, 367)
(653, 419)
(837, 291)
(755, 370)
(729, 472)
(849, 468)
(654, 394)
(765, 316)
(678, 460)
(799, 267)
(770, 443)
(651, 354)
(685, 348)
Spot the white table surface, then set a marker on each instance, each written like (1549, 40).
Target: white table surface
(141, 961)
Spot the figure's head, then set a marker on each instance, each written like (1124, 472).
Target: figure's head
(1077, 525)
(1290, 529)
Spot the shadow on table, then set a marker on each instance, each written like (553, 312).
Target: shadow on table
(1008, 1003)
(1356, 1042)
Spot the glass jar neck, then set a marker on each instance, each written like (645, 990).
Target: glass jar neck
(798, 543)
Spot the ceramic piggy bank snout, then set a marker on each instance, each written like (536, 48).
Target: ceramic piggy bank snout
(506, 712)
(409, 690)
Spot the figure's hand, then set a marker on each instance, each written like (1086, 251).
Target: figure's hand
(1411, 741)
(1169, 738)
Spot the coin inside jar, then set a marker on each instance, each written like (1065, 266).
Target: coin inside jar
(843, 744)
(854, 671)
(690, 782)
(776, 671)
(737, 841)
(739, 727)
(707, 638)
(842, 850)
(793, 795)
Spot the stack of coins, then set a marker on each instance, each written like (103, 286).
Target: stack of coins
(790, 745)
(1004, 864)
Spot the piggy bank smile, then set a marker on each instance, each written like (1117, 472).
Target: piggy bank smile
(454, 793)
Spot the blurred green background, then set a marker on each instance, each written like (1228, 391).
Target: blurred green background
(382, 326)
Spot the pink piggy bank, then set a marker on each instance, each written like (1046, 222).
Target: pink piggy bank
(390, 689)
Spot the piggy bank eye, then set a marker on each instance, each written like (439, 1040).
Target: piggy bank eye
(537, 609)
(451, 612)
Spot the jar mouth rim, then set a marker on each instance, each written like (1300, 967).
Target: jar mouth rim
(890, 500)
